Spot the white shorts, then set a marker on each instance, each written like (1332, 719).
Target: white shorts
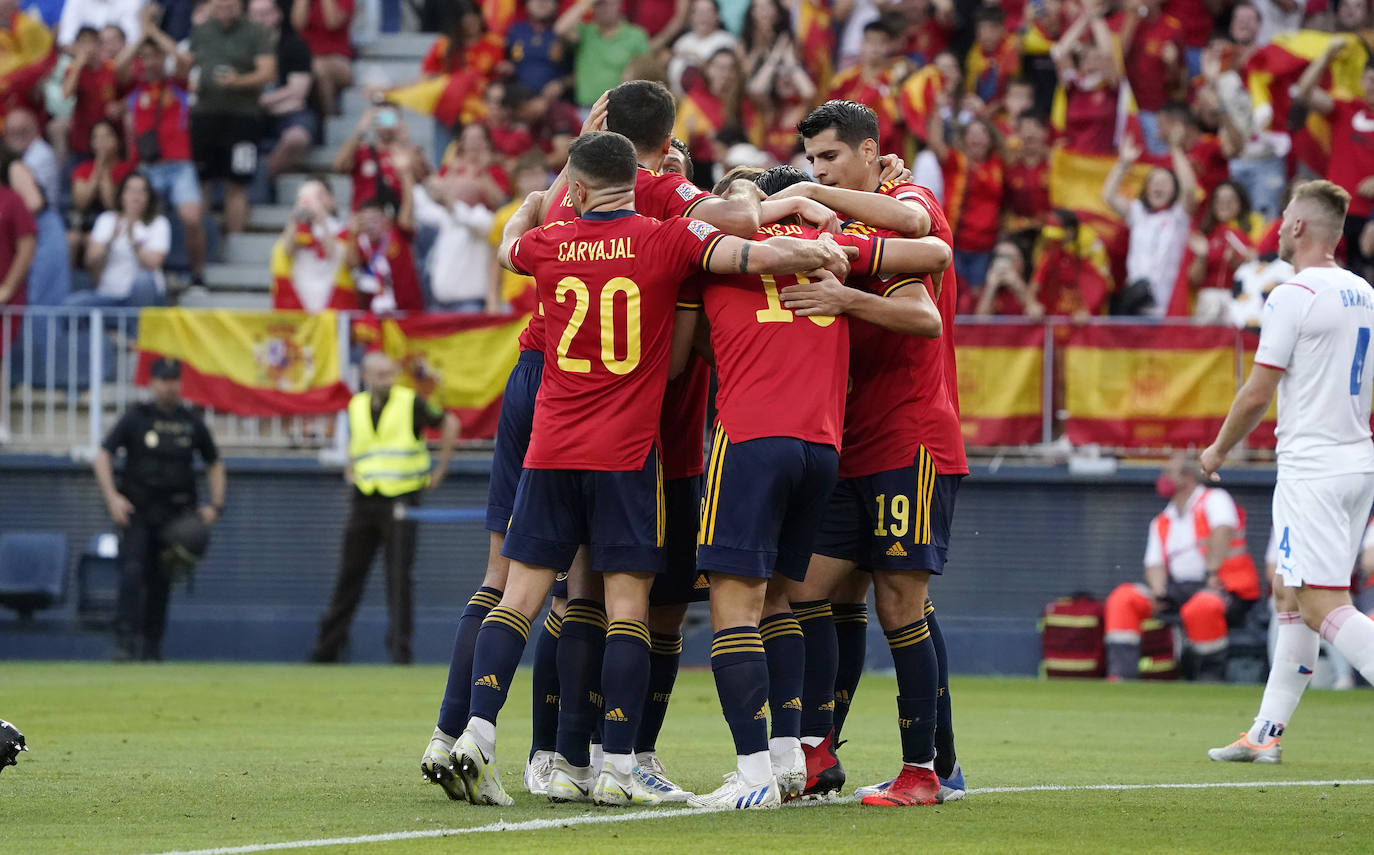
(1319, 523)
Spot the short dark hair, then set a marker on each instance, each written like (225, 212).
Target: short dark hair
(643, 111)
(1031, 114)
(87, 30)
(770, 181)
(853, 122)
(739, 173)
(990, 15)
(605, 157)
(879, 25)
(686, 156)
(371, 203)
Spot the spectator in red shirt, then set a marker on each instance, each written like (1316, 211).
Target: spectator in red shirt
(1028, 172)
(1072, 275)
(18, 244)
(1153, 48)
(1207, 152)
(95, 182)
(1221, 244)
(91, 81)
(1197, 22)
(930, 24)
(1006, 291)
(554, 123)
(779, 95)
(381, 256)
(974, 188)
(324, 25)
(711, 106)
(873, 81)
(1351, 164)
(1089, 75)
(158, 121)
(372, 165)
(510, 134)
(472, 156)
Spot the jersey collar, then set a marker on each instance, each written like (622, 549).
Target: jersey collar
(608, 215)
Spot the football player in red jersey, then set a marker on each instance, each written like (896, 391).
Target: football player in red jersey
(598, 481)
(902, 460)
(774, 461)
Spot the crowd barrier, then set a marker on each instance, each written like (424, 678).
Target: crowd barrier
(277, 381)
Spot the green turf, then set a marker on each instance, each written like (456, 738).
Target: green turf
(141, 759)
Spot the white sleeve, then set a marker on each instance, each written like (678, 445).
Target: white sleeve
(1154, 548)
(159, 236)
(476, 217)
(927, 173)
(1135, 212)
(104, 228)
(1368, 536)
(1281, 323)
(1220, 509)
(1271, 552)
(427, 211)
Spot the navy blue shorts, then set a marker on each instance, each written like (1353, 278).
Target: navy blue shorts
(764, 501)
(894, 520)
(619, 515)
(513, 437)
(679, 582)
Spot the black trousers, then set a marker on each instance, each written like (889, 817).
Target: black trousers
(144, 590)
(372, 524)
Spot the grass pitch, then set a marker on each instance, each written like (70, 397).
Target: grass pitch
(150, 759)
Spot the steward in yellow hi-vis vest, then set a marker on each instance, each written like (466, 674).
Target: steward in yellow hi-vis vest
(389, 467)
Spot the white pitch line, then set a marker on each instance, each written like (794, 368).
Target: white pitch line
(603, 819)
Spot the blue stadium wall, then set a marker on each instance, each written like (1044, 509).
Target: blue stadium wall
(1023, 535)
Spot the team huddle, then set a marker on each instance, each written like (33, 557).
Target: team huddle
(825, 310)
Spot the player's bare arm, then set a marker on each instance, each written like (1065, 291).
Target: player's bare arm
(1249, 407)
(526, 217)
(739, 215)
(908, 310)
(780, 255)
(874, 209)
(684, 340)
(809, 211)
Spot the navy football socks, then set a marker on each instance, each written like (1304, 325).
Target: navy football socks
(785, 648)
(453, 710)
(913, 655)
(740, 667)
(664, 653)
(945, 757)
(624, 681)
(544, 714)
(580, 645)
(500, 642)
(817, 622)
(851, 636)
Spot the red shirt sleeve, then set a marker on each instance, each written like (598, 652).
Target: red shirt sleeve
(688, 244)
(870, 257)
(435, 61)
(525, 252)
(689, 297)
(669, 195)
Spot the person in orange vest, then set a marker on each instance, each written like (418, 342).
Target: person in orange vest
(1195, 564)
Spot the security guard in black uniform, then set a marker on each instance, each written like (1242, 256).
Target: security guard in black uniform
(388, 466)
(156, 494)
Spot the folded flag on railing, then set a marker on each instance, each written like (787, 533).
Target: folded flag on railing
(1001, 372)
(248, 363)
(460, 362)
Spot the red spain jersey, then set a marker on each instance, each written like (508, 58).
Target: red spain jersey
(903, 391)
(682, 426)
(608, 282)
(661, 195)
(163, 107)
(779, 375)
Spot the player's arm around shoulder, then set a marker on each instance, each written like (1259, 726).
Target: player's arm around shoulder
(874, 209)
(525, 218)
(779, 255)
(906, 308)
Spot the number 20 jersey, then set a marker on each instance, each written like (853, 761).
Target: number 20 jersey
(780, 374)
(609, 283)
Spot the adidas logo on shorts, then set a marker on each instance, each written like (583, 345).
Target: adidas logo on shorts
(616, 715)
(489, 682)
(896, 550)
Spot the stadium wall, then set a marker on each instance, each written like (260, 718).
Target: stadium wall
(1023, 535)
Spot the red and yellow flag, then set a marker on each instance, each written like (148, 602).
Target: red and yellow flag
(1262, 436)
(1147, 386)
(459, 362)
(248, 363)
(816, 39)
(1001, 370)
(344, 295)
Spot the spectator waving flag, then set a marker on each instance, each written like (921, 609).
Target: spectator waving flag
(454, 81)
(1273, 71)
(816, 41)
(27, 54)
(460, 362)
(249, 363)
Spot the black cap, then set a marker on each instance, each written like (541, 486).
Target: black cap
(165, 368)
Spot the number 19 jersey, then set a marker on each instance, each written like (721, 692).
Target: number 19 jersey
(780, 375)
(609, 283)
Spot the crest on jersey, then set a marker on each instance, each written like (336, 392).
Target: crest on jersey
(688, 192)
(701, 230)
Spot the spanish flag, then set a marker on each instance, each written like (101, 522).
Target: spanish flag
(816, 39)
(452, 95)
(459, 362)
(344, 297)
(248, 363)
(27, 54)
(1147, 386)
(1264, 435)
(1001, 371)
(700, 116)
(917, 99)
(499, 15)
(1273, 71)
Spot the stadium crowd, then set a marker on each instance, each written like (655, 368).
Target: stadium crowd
(1095, 157)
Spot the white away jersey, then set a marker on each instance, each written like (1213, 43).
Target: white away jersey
(1316, 329)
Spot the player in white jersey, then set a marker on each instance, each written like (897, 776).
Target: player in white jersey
(1314, 344)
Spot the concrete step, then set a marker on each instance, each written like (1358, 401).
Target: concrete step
(337, 129)
(269, 218)
(409, 46)
(318, 159)
(288, 185)
(255, 277)
(205, 298)
(354, 102)
(249, 248)
(385, 73)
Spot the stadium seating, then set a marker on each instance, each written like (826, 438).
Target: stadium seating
(33, 571)
(97, 580)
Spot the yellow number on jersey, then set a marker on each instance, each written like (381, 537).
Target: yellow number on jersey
(776, 314)
(633, 344)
